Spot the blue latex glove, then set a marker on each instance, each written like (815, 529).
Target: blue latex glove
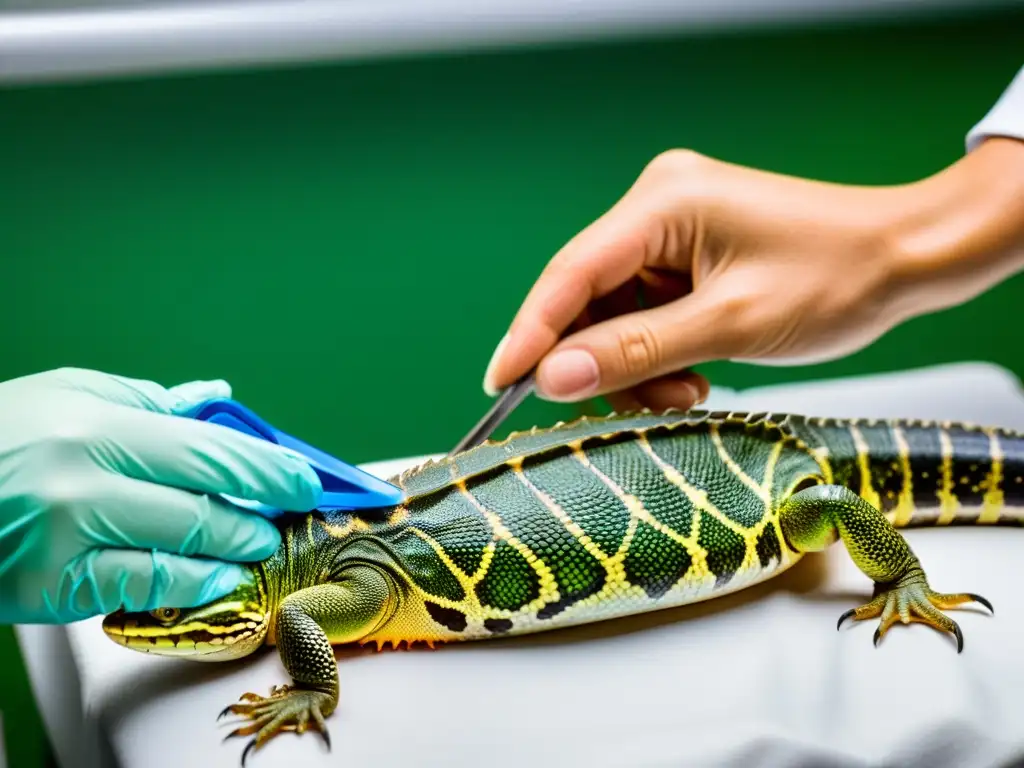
(108, 499)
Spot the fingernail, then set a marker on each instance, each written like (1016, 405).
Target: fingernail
(568, 375)
(489, 387)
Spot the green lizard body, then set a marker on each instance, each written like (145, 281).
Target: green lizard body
(594, 520)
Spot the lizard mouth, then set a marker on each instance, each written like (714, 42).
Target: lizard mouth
(123, 630)
(190, 634)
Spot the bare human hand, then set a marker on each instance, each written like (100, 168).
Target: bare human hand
(703, 260)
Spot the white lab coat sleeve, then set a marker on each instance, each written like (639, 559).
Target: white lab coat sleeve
(1006, 118)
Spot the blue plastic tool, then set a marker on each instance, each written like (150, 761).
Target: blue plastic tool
(345, 486)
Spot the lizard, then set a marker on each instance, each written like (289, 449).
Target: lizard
(591, 520)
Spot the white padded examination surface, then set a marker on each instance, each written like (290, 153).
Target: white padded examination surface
(760, 678)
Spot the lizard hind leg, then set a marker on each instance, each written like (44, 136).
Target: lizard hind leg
(308, 623)
(813, 518)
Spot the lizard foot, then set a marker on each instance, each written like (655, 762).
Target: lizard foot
(909, 600)
(286, 709)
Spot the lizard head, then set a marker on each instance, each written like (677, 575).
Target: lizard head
(227, 628)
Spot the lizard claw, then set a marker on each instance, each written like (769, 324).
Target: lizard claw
(245, 752)
(286, 709)
(845, 616)
(913, 601)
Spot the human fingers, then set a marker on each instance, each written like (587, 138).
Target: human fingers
(649, 288)
(102, 581)
(625, 351)
(681, 391)
(206, 458)
(658, 287)
(126, 513)
(597, 261)
(636, 293)
(191, 393)
(132, 392)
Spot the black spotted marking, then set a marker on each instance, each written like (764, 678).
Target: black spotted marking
(631, 468)
(510, 582)
(551, 610)
(884, 462)
(449, 618)
(725, 549)
(1013, 469)
(456, 524)
(696, 458)
(498, 626)
(769, 548)
(971, 463)
(578, 573)
(654, 561)
(925, 445)
(581, 494)
(425, 568)
(1013, 489)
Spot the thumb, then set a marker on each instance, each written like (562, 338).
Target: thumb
(628, 350)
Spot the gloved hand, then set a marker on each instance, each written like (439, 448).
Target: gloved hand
(108, 497)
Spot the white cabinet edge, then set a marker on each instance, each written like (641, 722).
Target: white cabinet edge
(84, 42)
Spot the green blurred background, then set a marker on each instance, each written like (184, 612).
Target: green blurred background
(345, 244)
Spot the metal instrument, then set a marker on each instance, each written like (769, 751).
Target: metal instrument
(506, 402)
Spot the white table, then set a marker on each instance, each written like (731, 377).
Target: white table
(759, 678)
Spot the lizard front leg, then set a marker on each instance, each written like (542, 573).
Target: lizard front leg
(308, 623)
(814, 518)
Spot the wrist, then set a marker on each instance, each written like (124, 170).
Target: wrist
(960, 232)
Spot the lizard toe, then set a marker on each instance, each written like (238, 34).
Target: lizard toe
(286, 709)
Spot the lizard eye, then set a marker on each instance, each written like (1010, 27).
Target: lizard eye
(165, 614)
